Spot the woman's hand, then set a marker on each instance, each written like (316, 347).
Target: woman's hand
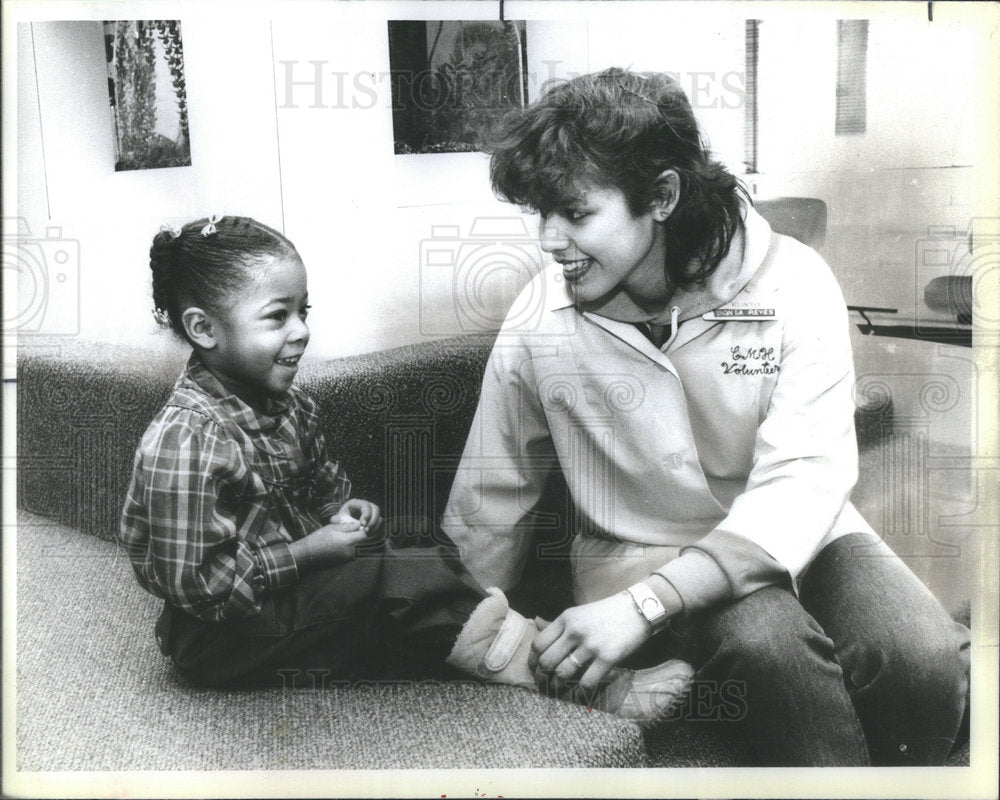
(585, 642)
(367, 515)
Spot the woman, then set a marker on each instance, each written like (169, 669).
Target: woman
(692, 377)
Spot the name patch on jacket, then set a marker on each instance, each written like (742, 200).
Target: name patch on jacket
(750, 361)
(737, 313)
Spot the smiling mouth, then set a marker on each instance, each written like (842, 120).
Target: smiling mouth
(292, 361)
(574, 270)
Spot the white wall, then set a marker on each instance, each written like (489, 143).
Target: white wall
(365, 219)
(355, 209)
(919, 100)
(362, 217)
(918, 170)
(358, 213)
(114, 215)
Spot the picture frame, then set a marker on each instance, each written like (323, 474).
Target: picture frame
(147, 89)
(452, 79)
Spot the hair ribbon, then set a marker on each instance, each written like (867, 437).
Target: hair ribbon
(173, 230)
(210, 228)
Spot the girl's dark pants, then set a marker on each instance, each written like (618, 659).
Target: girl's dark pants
(390, 613)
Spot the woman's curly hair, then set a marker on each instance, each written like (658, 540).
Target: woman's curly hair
(621, 129)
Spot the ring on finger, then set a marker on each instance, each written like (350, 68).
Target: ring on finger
(574, 661)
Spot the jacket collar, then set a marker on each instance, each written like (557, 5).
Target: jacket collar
(733, 278)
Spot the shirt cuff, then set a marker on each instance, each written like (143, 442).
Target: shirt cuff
(746, 564)
(696, 579)
(277, 565)
(720, 567)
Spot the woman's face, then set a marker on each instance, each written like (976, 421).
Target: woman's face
(603, 248)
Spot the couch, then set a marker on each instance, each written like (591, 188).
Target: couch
(93, 691)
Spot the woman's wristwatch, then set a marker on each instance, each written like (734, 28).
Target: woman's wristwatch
(649, 606)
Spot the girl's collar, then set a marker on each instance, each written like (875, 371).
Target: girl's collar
(245, 415)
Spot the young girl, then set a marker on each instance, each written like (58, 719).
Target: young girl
(238, 520)
(692, 377)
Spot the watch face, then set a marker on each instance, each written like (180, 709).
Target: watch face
(651, 607)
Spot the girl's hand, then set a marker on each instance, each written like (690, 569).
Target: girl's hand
(367, 515)
(598, 636)
(328, 545)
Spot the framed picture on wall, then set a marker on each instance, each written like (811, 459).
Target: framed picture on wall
(148, 93)
(452, 79)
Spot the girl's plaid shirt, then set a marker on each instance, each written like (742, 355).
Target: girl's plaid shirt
(218, 492)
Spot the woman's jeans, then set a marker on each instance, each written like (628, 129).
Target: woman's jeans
(864, 666)
(386, 613)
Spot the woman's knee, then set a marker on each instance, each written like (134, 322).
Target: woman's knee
(767, 633)
(923, 662)
(893, 638)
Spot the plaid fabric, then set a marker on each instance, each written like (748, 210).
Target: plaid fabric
(219, 490)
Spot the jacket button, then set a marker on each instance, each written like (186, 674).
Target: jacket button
(675, 461)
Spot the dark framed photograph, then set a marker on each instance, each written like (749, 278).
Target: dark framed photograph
(452, 79)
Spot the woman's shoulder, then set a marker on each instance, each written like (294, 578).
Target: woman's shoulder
(798, 271)
(801, 287)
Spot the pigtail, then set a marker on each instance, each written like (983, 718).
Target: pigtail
(162, 259)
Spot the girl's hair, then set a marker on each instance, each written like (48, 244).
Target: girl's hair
(206, 260)
(621, 129)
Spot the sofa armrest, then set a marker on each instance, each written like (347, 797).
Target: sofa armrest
(81, 410)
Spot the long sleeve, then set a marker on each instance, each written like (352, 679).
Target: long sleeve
(192, 536)
(503, 471)
(804, 460)
(331, 487)
(805, 456)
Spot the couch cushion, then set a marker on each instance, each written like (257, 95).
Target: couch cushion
(397, 420)
(81, 411)
(94, 693)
